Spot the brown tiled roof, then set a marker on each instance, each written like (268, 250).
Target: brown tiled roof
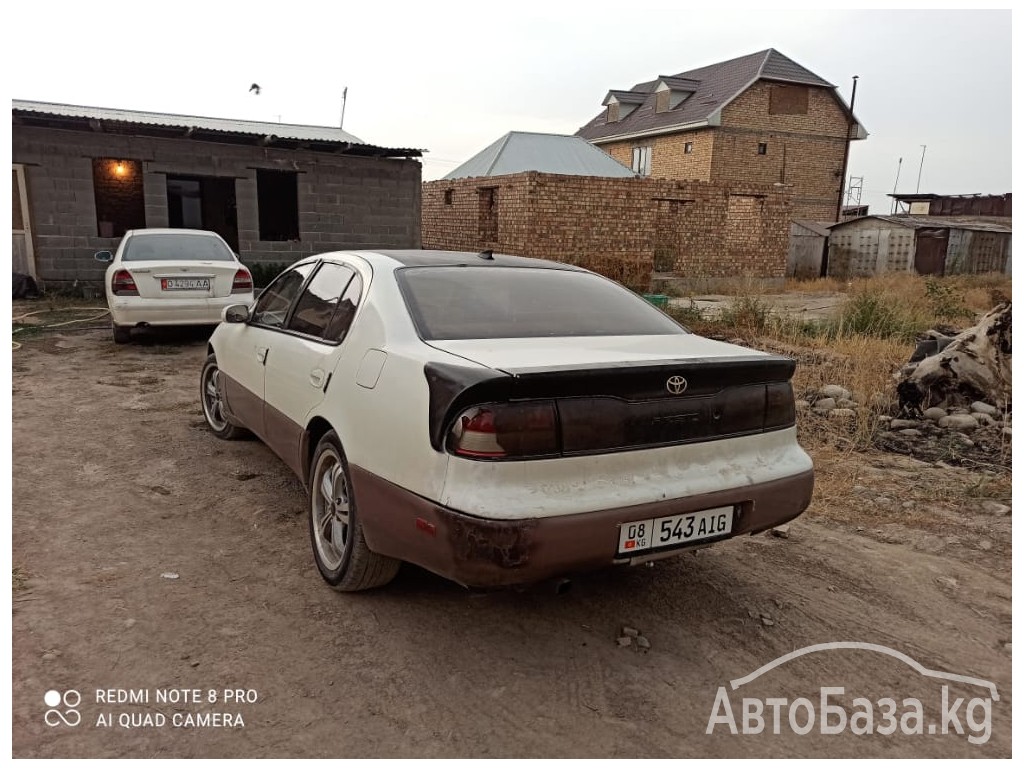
(716, 85)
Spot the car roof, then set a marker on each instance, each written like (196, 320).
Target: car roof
(171, 231)
(432, 258)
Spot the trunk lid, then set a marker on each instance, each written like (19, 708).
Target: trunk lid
(620, 393)
(182, 280)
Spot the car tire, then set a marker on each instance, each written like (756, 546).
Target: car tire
(213, 404)
(349, 565)
(122, 333)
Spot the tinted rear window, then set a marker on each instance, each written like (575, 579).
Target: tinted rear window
(448, 303)
(174, 247)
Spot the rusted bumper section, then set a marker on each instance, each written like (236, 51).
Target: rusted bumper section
(478, 552)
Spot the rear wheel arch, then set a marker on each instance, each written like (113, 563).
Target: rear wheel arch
(315, 430)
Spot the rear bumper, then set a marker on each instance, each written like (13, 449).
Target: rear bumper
(133, 310)
(480, 552)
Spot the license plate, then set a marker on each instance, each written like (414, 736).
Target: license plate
(184, 283)
(674, 531)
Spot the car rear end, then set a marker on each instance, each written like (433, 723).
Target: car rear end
(172, 278)
(576, 451)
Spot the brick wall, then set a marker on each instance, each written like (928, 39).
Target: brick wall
(616, 227)
(669, 159)
(344, 202)
(803, 150)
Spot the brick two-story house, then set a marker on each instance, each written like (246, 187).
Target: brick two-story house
(761, 118)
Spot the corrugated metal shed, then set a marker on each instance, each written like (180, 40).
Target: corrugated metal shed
(518, 151)
(975, 224)
(214, 128)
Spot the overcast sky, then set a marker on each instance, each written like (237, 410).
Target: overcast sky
(452, 78)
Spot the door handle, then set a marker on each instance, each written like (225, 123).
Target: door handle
(261, 354)
(316, 378)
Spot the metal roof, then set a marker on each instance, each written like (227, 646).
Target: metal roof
(714, 87)
(211, 128)
(518, 151)
(817, 227)
(976, 224)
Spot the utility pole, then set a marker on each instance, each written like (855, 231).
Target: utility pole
(924, 147)
(895, 184)
(850, 122)
(344, 98)
(846, 151)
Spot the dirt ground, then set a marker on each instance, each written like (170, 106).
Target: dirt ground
(117, 486)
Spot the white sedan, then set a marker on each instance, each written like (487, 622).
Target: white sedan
(501, 420)
(171, 277)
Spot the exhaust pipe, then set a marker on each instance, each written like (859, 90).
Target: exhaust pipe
(562, 586)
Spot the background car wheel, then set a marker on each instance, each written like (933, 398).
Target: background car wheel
(122, 333)
(340, 551)
(213, 403)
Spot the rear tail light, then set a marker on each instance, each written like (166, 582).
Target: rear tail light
(123, 284)
(779, 405)
(242, 282)
(506, 431)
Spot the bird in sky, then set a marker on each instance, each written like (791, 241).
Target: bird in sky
(254, 88)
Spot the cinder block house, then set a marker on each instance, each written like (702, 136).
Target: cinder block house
(82, 176)
(761, 119)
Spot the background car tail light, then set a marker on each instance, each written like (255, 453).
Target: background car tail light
(506, 431)
(123, 284)
(779, 405)
(242, 282)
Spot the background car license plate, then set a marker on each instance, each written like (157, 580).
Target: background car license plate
(185, 283)
(675, 530)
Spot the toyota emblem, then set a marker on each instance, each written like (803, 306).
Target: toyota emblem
(676, 385)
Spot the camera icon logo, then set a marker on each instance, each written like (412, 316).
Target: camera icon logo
(69, 701)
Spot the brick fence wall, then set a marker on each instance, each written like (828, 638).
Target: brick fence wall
(699, 230)
(344, 202)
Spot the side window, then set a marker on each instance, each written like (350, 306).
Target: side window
(339, 325)
(272, 306)
(316, 307)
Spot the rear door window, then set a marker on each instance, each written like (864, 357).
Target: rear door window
(450, 303)
(320, 302)
(271, 308)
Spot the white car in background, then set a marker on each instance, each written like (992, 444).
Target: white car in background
(172, 277)
(501, 420)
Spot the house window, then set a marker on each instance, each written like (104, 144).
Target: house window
(661, 103)
(642, 160)
(762, 148)
(612, 115)
(488, 214)
(120, 202)
(688, 148)
(448, 195)
(277, 194)
(788, 100)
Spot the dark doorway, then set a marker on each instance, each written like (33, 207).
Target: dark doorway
(203, 202)
(930, 257)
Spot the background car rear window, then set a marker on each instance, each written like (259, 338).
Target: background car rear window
(507, 303)
(320, 300)
(175, 247)
(272, 306)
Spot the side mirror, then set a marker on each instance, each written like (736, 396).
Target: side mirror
(104, 257)
(236, 313)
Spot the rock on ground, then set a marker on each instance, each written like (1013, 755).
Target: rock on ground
(835, 392)
(959, 422)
